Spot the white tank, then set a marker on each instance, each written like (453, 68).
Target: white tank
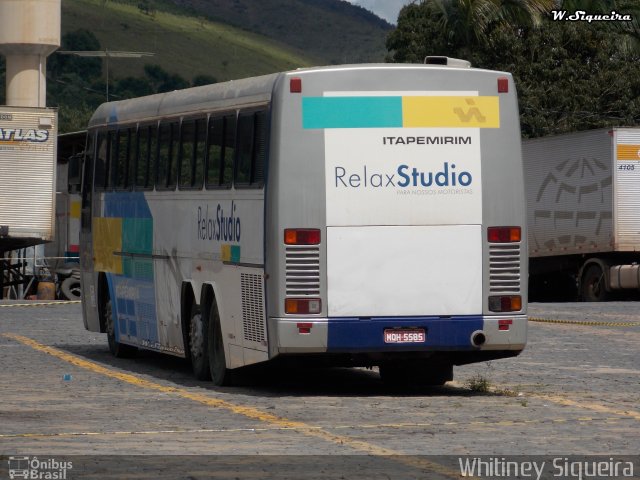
(29, 32)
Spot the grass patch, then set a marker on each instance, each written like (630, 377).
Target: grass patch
(478, 384)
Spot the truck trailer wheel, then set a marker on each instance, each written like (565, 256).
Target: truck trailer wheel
(592, 288)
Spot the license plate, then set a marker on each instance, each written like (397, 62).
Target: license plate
(405, 335)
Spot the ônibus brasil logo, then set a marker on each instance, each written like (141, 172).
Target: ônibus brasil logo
(40, 469)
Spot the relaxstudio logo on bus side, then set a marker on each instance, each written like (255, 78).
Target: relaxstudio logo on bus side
(223, 226)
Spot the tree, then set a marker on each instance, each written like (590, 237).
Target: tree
(459, 25)
(87, 67)
(570, 75)
(163, 81)
(203, 79)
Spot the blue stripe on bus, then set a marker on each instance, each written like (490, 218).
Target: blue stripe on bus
(367, 334)
(126, 205)
(351, 112)
(136, 318)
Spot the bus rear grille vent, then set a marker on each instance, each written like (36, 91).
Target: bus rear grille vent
(504, 269)
(303, 270)
(252, 307)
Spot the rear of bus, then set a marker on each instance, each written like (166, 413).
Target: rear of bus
(396, 218)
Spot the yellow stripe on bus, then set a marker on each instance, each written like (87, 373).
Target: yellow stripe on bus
(107, 238)
(451, 112)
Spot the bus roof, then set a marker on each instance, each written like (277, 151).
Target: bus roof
(231, 94)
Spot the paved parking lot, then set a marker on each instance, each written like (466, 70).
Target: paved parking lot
(574, 391)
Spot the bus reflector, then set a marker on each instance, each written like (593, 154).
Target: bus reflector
(505, 303)
(304, 328)
(302, 306)
(503, 85)
(504, 234)
(504, 324)
(295, 85)
(301, 236)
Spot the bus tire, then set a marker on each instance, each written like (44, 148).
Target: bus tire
(220, 374)
(198, 343)
(592, 284)
(116, 348)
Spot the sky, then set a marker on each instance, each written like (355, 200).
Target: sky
(387, 9)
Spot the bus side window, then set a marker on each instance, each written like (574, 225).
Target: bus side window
(200, 151)
(142, 157)
(87, 186)
(102, 161)
(122, 159)
(260, 148)
(245, 150)
(150, 177)
(172, 180)
(164, 156)
(133, 159)
(113, 160)
(187, 139)
(228, 150)
(214, 148)
(252, 145)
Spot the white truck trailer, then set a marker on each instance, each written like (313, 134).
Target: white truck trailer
(28, 139)
(583, 208)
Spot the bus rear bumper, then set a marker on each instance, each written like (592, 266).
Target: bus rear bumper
(363, 335)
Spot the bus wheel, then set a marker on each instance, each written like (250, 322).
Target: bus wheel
(198, 344)
(220, 374)
(116, 348)
(415, 374)
(592, 284)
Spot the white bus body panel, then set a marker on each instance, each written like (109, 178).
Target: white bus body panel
(404, 270)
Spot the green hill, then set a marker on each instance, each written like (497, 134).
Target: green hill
(229, 39)
(333, 30)
(182, 44)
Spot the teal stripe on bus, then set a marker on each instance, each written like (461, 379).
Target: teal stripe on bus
(351, 112)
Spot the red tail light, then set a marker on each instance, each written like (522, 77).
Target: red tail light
(505, 303)
(302, 306)
(302, 236)
(503, 85)
(504, 234)
(295, 85)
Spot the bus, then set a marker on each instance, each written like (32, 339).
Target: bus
(359, 215)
